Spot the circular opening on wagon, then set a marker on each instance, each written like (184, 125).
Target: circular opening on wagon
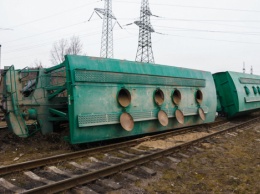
(179, 116)
(127, 121)
(176, 97)
(159, 97)
(199, 96)
(202, 114)
(124, 97)
(247, 90)
(163, 118)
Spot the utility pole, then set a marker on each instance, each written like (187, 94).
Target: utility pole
(251, 70)
(107, 32)
(107, 29)
(244, 67)
(144, 51)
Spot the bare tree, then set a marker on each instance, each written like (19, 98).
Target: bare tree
(37, 63)
(75, 46)
(64, 47)
(59, 49)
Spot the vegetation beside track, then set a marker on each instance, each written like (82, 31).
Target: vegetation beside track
(230, 164)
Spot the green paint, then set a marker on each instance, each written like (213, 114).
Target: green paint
(237, 92)
(91, 87)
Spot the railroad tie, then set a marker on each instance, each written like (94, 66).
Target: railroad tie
(183, 155)
(130, 176)
(97, 188)
(78, 165)
(35, 177)
(92, 159)
(149, 171)
(198, 149)
(83, 190)
(4, 183)
(141, 151)
(175, 160)
(109, 183)
(159, 164)
(58, 171)
(125, 153)
(232, 134)
(116, 158)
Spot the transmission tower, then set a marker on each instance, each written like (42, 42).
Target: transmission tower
(144, 51)
(107, 31)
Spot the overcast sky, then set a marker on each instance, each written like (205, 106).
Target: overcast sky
(208, 35)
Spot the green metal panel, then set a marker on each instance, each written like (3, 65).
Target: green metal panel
(93, 85)
(237, 92)
(20, 107)
(84, 91)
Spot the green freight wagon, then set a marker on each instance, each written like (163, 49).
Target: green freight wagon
(104, 99)
(238, 93)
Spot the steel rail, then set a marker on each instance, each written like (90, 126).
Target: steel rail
(92, 176)
(84, 153)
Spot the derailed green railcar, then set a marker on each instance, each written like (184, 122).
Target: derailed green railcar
(238, 93)
(106, 99)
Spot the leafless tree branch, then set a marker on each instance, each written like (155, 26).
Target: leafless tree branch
(64, 47)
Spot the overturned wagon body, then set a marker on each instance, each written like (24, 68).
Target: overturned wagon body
(106, 99)
(238, 93)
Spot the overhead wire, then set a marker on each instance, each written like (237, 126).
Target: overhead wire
(47, 43)
(212, 31)
(195, 7)
(49, 39)
(49, 31)
(203, 38)
(44, 44)
(212, 39)
(207, 20)
(56, 14)
(116, 40)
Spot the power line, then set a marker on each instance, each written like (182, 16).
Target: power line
(43, 44)
(220, 40)
(195, 7)
(45, 32)
(202, 38)
(208, 20)
(6, 29)
(212, 31)
(23, 56)
(56, 14)
(48, 40)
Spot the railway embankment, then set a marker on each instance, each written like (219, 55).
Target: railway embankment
(226, 164)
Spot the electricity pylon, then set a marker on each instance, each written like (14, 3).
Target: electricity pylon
(107, 30)
(144, 51)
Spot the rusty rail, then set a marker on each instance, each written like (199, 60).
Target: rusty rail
(84, 153)
(89, 177)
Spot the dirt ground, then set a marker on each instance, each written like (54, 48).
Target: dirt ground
(14, 149)
(231, 164)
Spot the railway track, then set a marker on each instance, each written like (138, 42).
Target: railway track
(113, 159)
(108, 148)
